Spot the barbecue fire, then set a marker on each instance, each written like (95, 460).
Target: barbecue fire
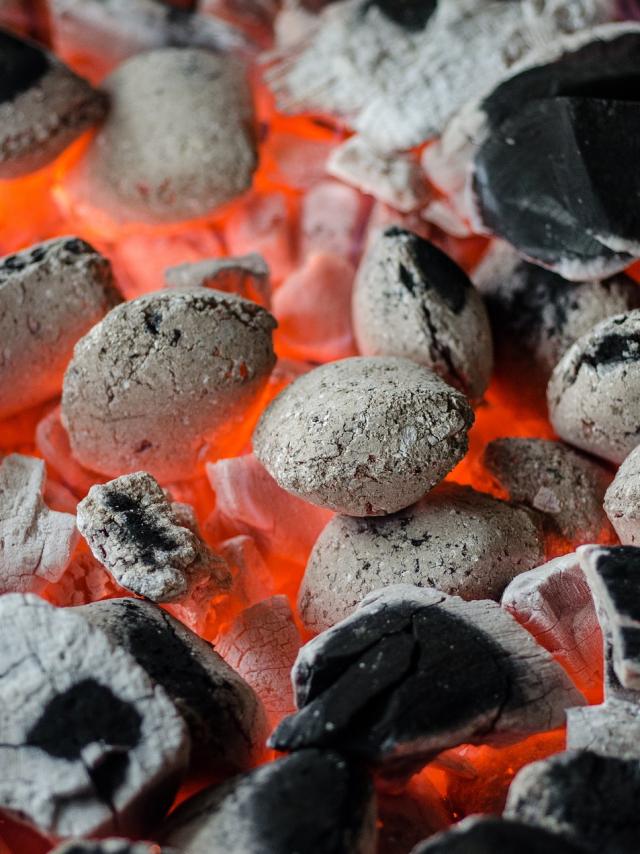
(319, 426)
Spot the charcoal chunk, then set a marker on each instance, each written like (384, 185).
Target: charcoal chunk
(311, 801)
(414, 672)
(609, 729)
(245, 275)
(622, 500)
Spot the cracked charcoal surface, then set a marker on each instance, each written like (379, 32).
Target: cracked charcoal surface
(174, 363)
(44, 106)
(109, 846)
(311, 801)
(590, 800)
(174, 149)
(567, 487)
(413, 672)
(133, 530)
(36, 543)
(51, 294)
(411, 300)
(245, 275)
(622, 500)
(364, 436)
(226, 720)
(594, 390)
(455, 539)
(88, 745)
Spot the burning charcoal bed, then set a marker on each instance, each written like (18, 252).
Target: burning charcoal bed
(319, 427)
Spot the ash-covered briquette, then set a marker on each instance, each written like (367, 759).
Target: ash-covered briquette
(412, 300)
(44, 106)
(178, 140)
(364, 436)
(165, 379)
(245, 275)
(226, 720)
(490, 835)
(110, 846)
(135, 532)
(313, 801)
(594, 391)
(537, 315)
(590, 800)
(622, 500)
(565, 486)
(88, 744)
(36, 543)
(398, 71)
(413, 672)
(553, 602)
(456, 540)
(51, 294)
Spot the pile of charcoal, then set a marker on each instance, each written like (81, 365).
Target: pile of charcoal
(319, 427)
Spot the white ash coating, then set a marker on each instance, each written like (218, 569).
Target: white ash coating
(245, 275)
(132, 529)
(456, 540)
(163, 379)
(36, 543)
(178, 140)
(51, 294)
(622, 500)
(610, 729)
(88, 745)
(564, 485)
(594, 392)
(109, 846)
(363, 436)
(44, 106)
(410, 300)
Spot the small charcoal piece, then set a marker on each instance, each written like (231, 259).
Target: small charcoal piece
(489, 835)
(456, 540)
(51, 294)
(610, 729)
(245, 275)
(109, 846)
(590, 800)
(36, 543)
(414, 672)
(144, 377)
(177, 142)
(88, 745)
(593, 390)
(262, 644)
(411, 300)
(554, 603)
(135, 532)
(622, 500)
(364, 436)
(311, 801)
(562, 484)
(44, 106)
(225, 718)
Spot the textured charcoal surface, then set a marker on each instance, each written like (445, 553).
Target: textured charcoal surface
(225, 718)
(411, 300)
(567, 487)
(363, 436)
(413, 672)
(489, 835)
(610, 729)
(592, 390)
(133, 530)
(178, 140)
(245, 275)
(455, 539)
(44, 106)
(622, 500)
(36, 543)
(109, 846)
(589, 799)
(51, 294)
(88, 745)
(311, 801)
(142, 377)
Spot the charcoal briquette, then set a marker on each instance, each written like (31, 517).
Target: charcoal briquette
(622, 500)
(245, 275)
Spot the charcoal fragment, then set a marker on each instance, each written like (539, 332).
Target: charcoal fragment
(311, 801)
(411, 300)
(363, 436)
(414, 672)
(622, 500)
(183, 363)
(245, 275)
(455, 539)
(51, 294)
(610, 729)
